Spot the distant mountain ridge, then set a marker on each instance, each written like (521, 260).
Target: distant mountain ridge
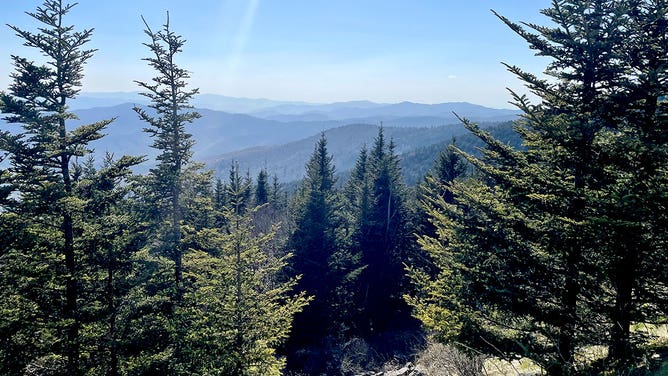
(383, 112)
(286, 111)
(279, 135)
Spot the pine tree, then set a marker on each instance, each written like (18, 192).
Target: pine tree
(40, 155)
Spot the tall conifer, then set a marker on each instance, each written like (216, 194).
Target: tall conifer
(529, 257)
(314, 241)
(169, 113)
(41, 153)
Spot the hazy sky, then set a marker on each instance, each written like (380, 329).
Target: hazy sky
(427, 51)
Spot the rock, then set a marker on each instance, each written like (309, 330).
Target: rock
(403, 371)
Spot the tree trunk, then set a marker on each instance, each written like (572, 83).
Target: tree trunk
(620, 351)
(71, 293)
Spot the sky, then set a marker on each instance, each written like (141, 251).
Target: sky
(426, 51)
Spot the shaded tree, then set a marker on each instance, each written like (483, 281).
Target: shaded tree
(237, 312)
(109, 237)
(314, 241)
(262, 188)
(382, 236)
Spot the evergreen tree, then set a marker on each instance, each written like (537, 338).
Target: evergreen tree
(239, 190)
(238, 313)
(633, 148)
(219, 202)
(277, 196)
(314, 241)
(382, 236)
(108, 242)
(43, 191)
(448, 167)
(170, 194)
(197, 193)
(170, 101)
(328, 269)
(262, 188)
(358, 194)
(528, 257)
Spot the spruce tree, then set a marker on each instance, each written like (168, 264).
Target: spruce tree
(239, 190)
(448, 167)
(40, 157)
(238, 311)
(262, 188)
(170, 112)
(314, 241)
(382, 236)
(109, 238)
(632, 200)
(529, 256)
(170, 197)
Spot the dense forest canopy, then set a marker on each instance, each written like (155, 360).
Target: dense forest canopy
(542, 240)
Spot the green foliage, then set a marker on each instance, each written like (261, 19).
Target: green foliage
(262, 188)
(108, 240)
(40, 191)
(418, 163)
(314, 241)
(551, 250)
(381, 233)
(239, 190)
(170, 101)
(327, 266)
(235, 313)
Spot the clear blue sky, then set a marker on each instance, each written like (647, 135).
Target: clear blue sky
(427, 51)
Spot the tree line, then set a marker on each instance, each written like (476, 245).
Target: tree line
(537, 251)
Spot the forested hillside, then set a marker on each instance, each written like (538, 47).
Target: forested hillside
(460, 248)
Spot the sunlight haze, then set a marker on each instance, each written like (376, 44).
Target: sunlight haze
(314, 51)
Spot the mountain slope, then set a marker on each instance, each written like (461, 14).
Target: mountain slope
(287, 161)
(214, 133)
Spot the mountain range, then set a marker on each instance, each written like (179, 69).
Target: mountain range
(350, 112)
(280, 135)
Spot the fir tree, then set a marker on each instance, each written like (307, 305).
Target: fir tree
(109, 241)
(170, 101)
(239, 190)
(382, 236)
(40, 155)
(527, 257)
(314, 241)
(237, 312)
(262, 188)
(169, 202)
